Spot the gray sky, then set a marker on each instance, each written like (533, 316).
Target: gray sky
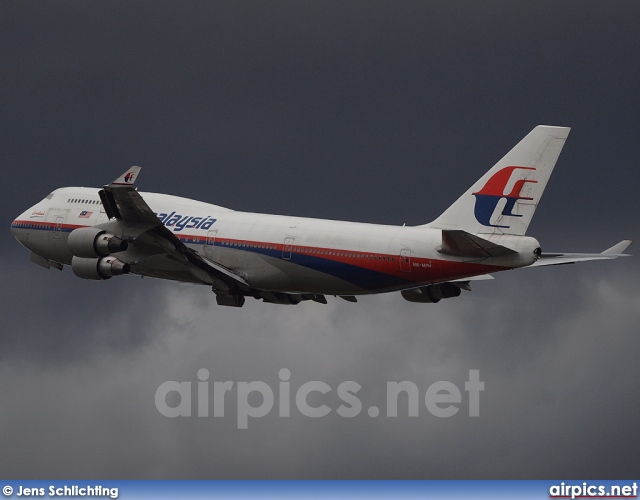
(370, 111)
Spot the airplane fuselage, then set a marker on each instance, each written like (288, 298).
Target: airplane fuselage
(272, 252)
(116, 230)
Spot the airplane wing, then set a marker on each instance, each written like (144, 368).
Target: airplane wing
(554, 259)
(138, 222)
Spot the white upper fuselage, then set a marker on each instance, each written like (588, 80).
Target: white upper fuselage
(272, 252)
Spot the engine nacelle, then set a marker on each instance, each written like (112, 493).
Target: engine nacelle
(431, 294)
(92, 242)
(98, 269)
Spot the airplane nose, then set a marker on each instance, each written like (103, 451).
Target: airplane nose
(15, 227)
(17, 234)
(19, 227)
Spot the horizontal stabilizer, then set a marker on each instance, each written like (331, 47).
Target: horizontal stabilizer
(554, 259)
(459, 243)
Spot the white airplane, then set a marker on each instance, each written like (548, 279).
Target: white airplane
(117, 230)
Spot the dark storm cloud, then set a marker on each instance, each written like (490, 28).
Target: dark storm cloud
(383, 112)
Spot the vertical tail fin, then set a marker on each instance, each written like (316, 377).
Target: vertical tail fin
(504, 199)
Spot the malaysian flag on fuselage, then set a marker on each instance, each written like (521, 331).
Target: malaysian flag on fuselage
(85, 214)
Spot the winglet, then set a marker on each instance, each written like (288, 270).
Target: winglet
(128, 178)
(617, 249)
(107, 196)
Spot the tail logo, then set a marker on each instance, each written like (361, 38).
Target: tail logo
(128, 178)
(489, 196)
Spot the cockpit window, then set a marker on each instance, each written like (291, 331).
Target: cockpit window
(49, 196)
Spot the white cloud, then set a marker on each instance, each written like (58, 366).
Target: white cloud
(552, 377)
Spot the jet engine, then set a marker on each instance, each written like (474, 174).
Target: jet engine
(432, 293)
(92, 242)
(98, 269)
